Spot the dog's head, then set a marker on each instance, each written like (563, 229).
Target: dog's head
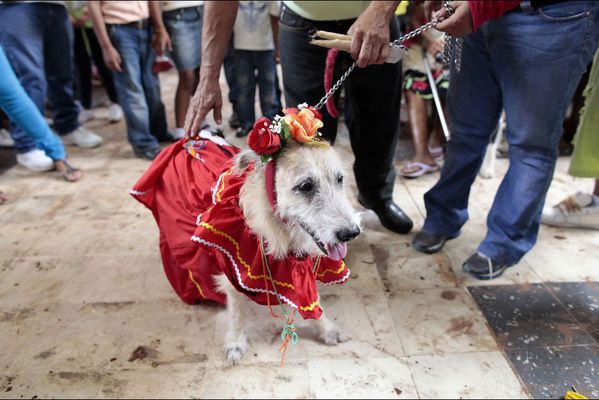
(312, 199)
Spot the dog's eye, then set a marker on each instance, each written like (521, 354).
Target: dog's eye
(306, 186)
(340, 179)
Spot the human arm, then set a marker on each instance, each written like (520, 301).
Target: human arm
(370, 33)
(161, 41)
(470, 15)
(112, 58)
(219, 19)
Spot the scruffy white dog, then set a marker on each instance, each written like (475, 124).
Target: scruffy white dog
(313, 217)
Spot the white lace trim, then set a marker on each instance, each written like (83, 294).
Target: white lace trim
(198, 219)
(137, 193)
(214, 190)
(346, 277)
(225, 252)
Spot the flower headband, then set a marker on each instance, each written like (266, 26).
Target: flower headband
(267, 139)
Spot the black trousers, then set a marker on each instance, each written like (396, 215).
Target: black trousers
(373, 93)
(84, 67)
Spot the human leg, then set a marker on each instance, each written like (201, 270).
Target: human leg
(130, 90)
(270, 103)
(513, 221)
(245, 79)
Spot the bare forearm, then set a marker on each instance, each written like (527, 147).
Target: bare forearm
(385, 9)
(156, 16)
(219, 19)
(98, 22)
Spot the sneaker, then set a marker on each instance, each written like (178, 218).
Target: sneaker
(482, 267)
(115, 113)
(241, 132)
(35, 160)
(234, 121)
(578, 211)
(82, 137)
(5, 139)
(429, 243)
(85, 115)
(149, 154)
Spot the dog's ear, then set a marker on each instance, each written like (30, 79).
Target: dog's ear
(243, 159)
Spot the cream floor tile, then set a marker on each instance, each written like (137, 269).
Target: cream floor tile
(261, 381)
(439, 321)
(466, 375)
(162, 382)
(374, 378)
(35, 382)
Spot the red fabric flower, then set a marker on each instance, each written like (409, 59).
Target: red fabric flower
(316, 113)
(262, 140)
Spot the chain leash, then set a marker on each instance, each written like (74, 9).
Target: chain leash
(451, 47)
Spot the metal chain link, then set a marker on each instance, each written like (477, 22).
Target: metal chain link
(451, 46)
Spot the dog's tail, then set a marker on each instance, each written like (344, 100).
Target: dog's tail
(328, 81)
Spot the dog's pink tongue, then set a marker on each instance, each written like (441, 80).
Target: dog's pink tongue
(337, 251)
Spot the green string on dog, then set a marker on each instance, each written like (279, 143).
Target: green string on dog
(288, 334)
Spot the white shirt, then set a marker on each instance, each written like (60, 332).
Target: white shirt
(253, 30)
(175, 5)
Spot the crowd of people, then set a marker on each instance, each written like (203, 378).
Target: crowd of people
(516, 58)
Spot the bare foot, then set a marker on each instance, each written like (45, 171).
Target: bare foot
(3, 197)
(70, 173)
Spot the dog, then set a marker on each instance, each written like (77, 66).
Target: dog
(314, 214)
(312, 218)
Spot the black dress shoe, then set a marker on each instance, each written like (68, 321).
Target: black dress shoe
(148, 154)
(429, 243)
(392, 217)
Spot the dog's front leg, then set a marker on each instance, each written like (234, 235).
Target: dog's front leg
(235, 340)
(329, 332)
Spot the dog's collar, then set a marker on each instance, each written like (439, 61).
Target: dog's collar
(269, 180)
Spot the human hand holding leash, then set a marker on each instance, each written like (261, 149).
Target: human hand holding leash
(459, 23)
(370, 33)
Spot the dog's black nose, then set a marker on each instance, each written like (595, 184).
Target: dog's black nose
(347, 234)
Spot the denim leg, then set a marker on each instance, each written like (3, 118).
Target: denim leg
(21, 36)
(22, 111)
(270, 104)
(130, 89)
(474, 106)
(538, 77)
(245, 77)
(58, 56)
(151, 87)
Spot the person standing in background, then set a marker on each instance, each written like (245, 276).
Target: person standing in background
(124, 32)
(183, 21)
(87, 48)
(256, 48)
(37, 38)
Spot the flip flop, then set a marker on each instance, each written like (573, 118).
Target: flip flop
(437, 154)
(423, 169)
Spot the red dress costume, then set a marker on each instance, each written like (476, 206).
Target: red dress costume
(194, 197)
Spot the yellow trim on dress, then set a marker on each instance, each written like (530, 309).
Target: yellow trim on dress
(222, 185)
(310, 307)
(196, 283)
(238, 254)
(333, 271)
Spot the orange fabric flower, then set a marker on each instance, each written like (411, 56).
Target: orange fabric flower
(303, 125)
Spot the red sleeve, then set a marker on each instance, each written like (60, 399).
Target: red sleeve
(482, 11)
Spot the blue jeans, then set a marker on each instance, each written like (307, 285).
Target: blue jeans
(37, 39)
(23, 112)
(138, 89)
(247, 63)
(184, 25)
(529, 64)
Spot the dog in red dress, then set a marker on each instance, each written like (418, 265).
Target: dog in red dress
(265, 223)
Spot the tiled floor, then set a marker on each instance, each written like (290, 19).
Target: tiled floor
(82, 288)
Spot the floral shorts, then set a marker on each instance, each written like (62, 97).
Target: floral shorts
(417, 82)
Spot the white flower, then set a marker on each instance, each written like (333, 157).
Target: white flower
(302, 106)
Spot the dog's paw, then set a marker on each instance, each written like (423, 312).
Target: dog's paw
(234, 354)
(334, 336)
